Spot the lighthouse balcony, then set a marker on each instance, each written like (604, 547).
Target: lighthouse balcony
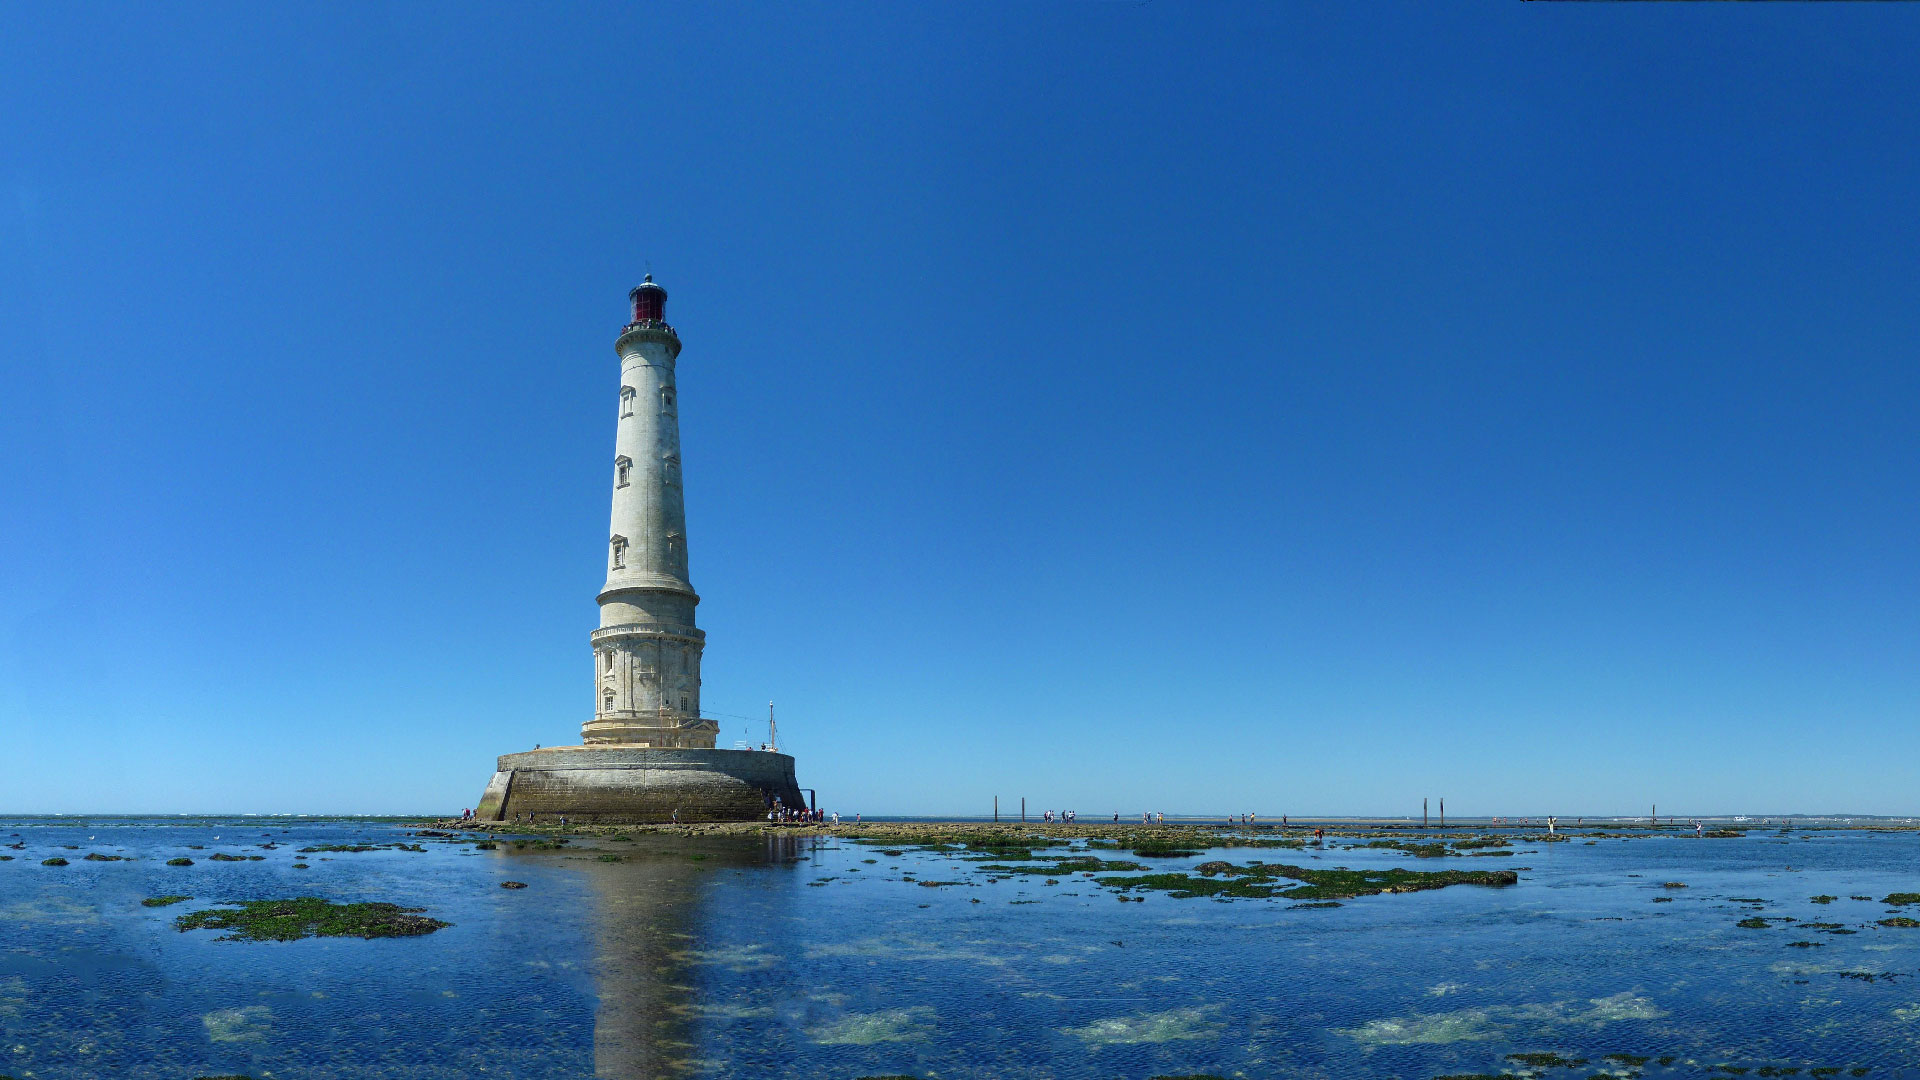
(648, 330)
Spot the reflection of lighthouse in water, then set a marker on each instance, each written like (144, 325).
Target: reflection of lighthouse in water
(647, 929)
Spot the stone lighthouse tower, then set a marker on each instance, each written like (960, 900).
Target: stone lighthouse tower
(647, 754)
(647, 650)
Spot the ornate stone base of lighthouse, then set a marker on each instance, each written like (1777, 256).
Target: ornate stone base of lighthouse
(587, 784)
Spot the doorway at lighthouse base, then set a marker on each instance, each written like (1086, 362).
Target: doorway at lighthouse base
(587, 784)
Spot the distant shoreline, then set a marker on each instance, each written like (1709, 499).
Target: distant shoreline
(958, 829)
(1677, 823)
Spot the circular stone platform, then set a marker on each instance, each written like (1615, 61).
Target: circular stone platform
(588, 784)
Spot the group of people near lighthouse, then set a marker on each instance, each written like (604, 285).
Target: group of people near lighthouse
(800, 815)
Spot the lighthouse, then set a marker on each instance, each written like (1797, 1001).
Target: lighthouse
(647, 650)
(647, 754)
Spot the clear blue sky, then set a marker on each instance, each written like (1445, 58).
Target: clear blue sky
(1291, 407)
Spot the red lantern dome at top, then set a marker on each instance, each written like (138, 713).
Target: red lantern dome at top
(649, 302)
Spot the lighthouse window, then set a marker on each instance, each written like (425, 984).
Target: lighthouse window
(666, 399)
(627, 394)
(606, 701)
(619, 552)
(622, 466)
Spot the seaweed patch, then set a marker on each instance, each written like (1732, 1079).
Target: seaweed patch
(310, 916)
(1265, 881)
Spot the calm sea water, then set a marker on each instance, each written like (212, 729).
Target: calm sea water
(827, 958)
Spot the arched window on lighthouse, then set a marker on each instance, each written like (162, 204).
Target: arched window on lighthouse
(627, 394)
(622, 467)
(619, 544)
(606, 701)
(666, 399)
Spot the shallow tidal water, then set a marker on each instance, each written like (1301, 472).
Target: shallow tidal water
(820, 957)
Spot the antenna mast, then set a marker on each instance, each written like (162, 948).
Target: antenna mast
(773, 730)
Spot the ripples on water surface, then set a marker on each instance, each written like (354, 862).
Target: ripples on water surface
(802, 958)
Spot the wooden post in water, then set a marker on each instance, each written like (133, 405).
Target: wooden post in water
(1423, 813)
(1023, 808)
(996, 809)
(1443, 811)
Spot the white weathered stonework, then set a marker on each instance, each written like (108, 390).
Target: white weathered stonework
(647, 754)
(647, 650)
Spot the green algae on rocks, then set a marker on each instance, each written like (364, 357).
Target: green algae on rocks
(1418, 851)
(1062, 864)
(1546, 1060)
(163, 901)
(55, 861)
(1264, 881)
(179, 862)
(308, 916)
(1165, 851)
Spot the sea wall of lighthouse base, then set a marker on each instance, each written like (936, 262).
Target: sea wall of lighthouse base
(588, 784)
